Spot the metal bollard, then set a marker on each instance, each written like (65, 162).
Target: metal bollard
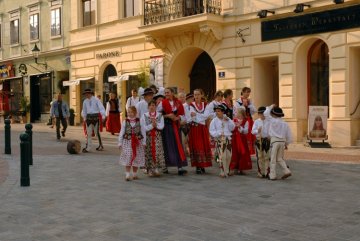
(7, 137)
(24, 150)
(28, 131)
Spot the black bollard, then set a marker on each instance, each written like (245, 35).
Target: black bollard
(28, 131)
(7, 137)
(24, 150)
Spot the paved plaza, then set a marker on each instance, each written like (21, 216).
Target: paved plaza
(84, 197)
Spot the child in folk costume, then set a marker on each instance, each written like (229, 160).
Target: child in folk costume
(153, 122)
(280, 137)
(221, 128)
(210, 107)
(262, 144)
(250, 109)
(241, 159)
(185, 125)
(132, 139)
(199, 139)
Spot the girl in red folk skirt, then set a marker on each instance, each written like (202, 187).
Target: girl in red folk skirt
(113, 115)
(132, 140)
(240, 159)
(199, 139)
(244, 101)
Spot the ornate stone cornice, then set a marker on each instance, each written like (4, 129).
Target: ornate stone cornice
(212, 30)
(157, 41)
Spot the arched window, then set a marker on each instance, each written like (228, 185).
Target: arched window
(318, 74)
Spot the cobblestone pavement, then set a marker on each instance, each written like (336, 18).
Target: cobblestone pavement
(85, 197)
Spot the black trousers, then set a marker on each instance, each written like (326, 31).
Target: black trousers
(63, 123)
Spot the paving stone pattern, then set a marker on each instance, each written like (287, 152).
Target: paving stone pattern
(85, 197)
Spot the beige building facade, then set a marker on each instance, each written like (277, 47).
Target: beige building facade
(226, 45)
(24, 24)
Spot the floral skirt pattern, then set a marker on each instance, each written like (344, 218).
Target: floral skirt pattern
(126, 155)
(159, 161)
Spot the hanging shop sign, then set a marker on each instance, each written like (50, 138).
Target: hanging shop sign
(6, 70)
(312, 23)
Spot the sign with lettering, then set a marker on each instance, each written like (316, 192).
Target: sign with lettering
(222, 74)
(108, 55)
(319, 22)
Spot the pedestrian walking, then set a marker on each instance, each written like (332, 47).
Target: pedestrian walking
(153, 122)
(221, 128)
(113, 110)
(132, 141)
(280, 137)
(60, 112)
(92, 109)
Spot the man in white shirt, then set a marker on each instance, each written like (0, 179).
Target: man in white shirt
(92, 109)
(280, 137)
(133, 99)
(142, 106)
(221, 128)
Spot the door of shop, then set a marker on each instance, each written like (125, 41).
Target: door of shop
(203, 75)
(35, 109)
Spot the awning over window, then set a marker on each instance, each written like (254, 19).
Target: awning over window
(123, 77)
(76, 81)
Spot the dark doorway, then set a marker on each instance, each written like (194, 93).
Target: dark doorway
(203, 76)
(108, 86)
(318, 74)
(40, 95)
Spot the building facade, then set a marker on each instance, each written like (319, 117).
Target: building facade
(24, 24)
(295, 59)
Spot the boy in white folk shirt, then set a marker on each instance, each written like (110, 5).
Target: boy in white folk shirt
(262, 143)
(280, 137)
(221, 128)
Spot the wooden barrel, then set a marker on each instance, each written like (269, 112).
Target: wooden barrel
(74, 147)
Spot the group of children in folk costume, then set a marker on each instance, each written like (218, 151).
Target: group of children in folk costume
(158, 130)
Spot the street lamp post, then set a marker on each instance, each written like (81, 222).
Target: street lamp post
(36, 52)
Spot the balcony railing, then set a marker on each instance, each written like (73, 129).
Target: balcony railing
(157, 11)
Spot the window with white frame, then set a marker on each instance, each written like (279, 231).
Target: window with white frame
(34, 26)
(89, 12)
(14, 31)
(56, 22)
(132, 8)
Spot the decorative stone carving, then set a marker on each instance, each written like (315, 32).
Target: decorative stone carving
(211, 30)
(158, 42)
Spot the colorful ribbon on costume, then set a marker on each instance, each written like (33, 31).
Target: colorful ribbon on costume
(153, 148)
(134, 144)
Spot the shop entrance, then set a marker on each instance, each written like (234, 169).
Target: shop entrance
(318, 74)
(40, 95)
(108, 86)
(266, 81)
(203, 75)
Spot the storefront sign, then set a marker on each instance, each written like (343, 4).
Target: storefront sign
(319, 22)
(317, 122)
(108, 55)
(6, 71)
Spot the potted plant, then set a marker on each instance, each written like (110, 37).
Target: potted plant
(25, 108)
(72, 117)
